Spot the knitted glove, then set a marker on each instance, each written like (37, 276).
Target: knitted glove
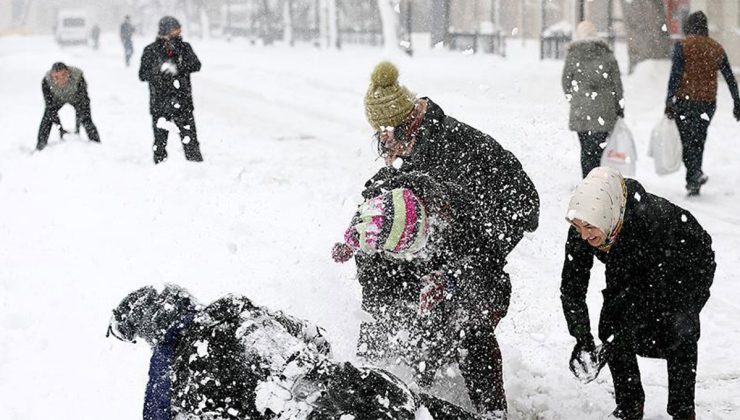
(433, 291)
(341, 252)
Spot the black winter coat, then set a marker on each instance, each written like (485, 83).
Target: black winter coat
(169, 94)
(496, 202)
(658, 274)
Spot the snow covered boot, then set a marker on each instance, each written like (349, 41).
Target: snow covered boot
(628, 413)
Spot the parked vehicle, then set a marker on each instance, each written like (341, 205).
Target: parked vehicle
(72, 27)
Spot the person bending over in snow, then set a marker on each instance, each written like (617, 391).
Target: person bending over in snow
(61, 85)
(166, 64)
(659, 267)
(234, 360)
(433, 279)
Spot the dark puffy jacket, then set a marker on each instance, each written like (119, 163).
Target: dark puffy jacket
(494, 203)
(459, 246)
(169, 94)
(236, 361)
(658, 273)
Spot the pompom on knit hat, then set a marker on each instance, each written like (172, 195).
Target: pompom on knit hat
(395, 222)
(387, 103)
(600, 200)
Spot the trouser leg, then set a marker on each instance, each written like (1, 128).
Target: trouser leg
(682, 380)
(47, 120)
(160, 141)
(591, 149)
(482, 367)
(628, 391)
(189, 136)
(84, 117)
(693, 120)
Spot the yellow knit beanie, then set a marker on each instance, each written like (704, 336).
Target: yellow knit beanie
(387, 103)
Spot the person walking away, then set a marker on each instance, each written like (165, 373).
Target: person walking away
(659, 267)
(127, 32)
(593, 85)
(692, 93)
(166, 64)
(65, 85)
(95, 35)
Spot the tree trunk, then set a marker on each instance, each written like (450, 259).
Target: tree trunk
(288, 22)
(647, 31)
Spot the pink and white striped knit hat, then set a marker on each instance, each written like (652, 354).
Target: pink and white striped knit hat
(395, 222)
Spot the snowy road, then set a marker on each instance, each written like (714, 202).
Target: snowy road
(287, 149)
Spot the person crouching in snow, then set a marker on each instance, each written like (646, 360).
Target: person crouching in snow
(234, 360)
(61, 85)
(659, 267)
(429, 279)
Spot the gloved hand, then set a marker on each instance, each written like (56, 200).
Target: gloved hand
(168, 67)
(620, 112)
(433, 291)
(736, 111)
(583, 356)
(670, 112)
(341, 252)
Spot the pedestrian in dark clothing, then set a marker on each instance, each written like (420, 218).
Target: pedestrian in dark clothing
(234, 360)
(166, 64)
(593, 85)
(416, 136)
(127, 32)
(65, 85)
(659, 267)
(95, 35)
(692, 93)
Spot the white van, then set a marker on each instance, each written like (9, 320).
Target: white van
(72, 27)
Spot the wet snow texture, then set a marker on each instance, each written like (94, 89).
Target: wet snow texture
(287, 149)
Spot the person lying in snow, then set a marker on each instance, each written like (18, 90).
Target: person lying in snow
(433, 280)
(234, 360)
(659, 267)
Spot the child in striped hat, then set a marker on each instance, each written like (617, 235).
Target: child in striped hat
(394, 223)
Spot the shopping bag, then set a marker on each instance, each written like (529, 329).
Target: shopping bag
(620, 152)
(665, 147)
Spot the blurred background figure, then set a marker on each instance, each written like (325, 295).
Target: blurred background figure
(95, 35)
(593, 86)
(127, 32)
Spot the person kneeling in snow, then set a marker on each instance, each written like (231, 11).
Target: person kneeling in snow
(433, 280)
(65, 85)
(659, 267)
(234, 360)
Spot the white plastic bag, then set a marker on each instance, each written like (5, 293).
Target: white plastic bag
(665, 147)
(620, 152)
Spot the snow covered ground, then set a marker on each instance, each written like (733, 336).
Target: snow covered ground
(286, 149)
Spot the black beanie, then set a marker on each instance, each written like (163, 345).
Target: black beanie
(696, 24)
(167, 24)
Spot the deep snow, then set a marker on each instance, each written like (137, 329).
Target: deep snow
(286, 150)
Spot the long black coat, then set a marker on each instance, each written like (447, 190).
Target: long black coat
(658, 274)
(169, 94)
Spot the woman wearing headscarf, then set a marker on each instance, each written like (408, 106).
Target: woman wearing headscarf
(692, 93)
(593, 86)
(659, 267)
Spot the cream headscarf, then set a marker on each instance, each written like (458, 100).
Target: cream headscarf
(599, 200)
